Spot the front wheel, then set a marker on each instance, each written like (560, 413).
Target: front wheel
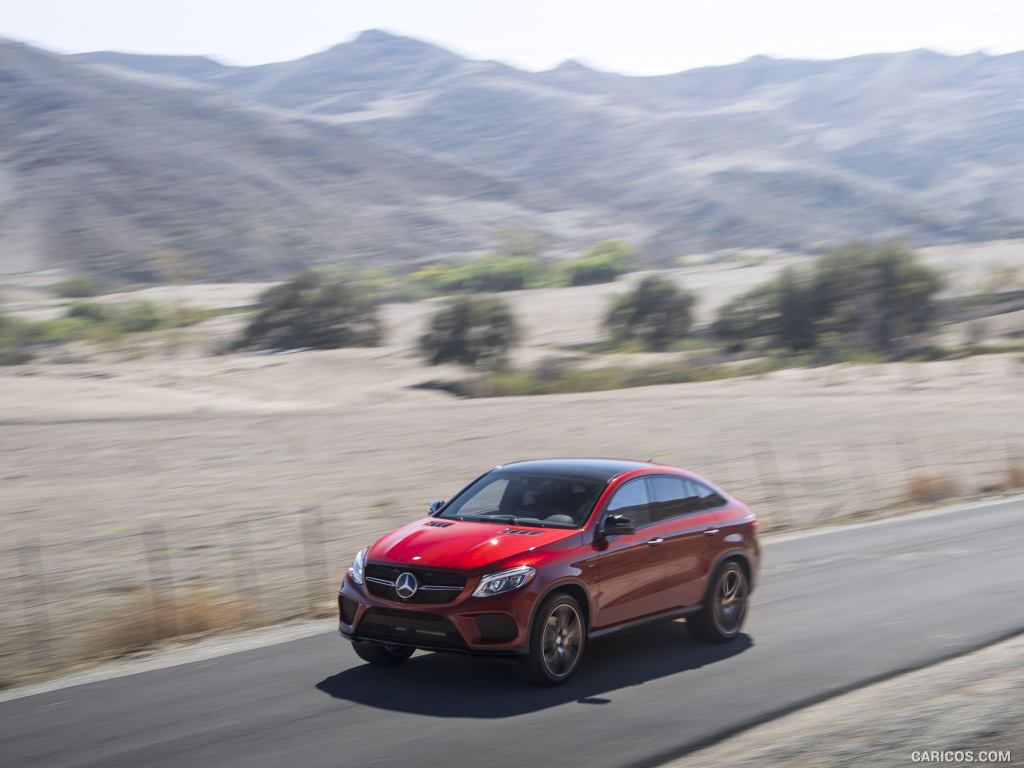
(725, 606)
(557, 639)
(382, 654)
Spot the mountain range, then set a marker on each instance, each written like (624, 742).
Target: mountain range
(386, 150)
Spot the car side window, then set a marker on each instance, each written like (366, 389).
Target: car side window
(705, 497)
(673, 496)
(631, 500)
(669, 497)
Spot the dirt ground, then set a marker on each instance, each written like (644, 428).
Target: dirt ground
(974, 702)
(261, 475)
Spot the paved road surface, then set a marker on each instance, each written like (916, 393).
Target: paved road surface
(833, 610)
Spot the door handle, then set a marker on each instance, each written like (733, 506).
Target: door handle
(652, 542)
(710, 531)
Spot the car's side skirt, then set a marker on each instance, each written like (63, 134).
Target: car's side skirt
(675, 613)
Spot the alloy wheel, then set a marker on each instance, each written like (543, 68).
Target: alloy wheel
(730, 600)
(562, 640)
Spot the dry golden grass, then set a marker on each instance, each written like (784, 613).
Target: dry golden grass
(928, 487)
(1015, 476)
(151, 618)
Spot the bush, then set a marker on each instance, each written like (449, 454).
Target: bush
(601, 263)
(91, 311)
(90, 318)
(138, 317)
(92, 321)
(15, 337)
(561, 377)
(150, 619)
(929, 488)
(656, 313)
(857, 297)
(487, 275)
(471, 331)
(77, 287)
(314, 310)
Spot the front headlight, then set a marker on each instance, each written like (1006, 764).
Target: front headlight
(504, 581)
(358, 566)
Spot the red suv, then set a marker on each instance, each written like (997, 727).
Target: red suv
(534, 558)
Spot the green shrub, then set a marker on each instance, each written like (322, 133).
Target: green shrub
(91, 311)
(471, 331)
(138, 317)
(548, 378)
(9, 356)
(491, 274)
(15, 337)
(521, 268)
(317, 310)
(92, 321)
(656, 312)
(853, 298)
(77, 287)
(601, 263)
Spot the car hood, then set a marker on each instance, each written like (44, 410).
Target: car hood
(464, 546)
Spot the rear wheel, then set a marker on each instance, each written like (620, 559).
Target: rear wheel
(725, 606)
(557, 639)
(381, 653)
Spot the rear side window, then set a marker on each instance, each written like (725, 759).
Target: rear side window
(706, 498)
(631, 500)
(672, 496)
(669, 497)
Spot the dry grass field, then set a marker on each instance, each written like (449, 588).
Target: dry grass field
(252, 479)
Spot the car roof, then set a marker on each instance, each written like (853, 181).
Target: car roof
(593, 469)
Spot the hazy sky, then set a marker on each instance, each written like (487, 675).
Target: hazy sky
(634, 36)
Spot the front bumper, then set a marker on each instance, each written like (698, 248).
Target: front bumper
(491, 626)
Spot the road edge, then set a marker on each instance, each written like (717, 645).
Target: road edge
(674, 753)
(186, 652)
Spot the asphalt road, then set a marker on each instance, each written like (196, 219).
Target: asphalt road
(834, 610)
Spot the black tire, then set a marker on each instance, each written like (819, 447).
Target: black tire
(384, 655)
(558, 637)
(725, 605)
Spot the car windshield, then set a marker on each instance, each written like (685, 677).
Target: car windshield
(530, 499)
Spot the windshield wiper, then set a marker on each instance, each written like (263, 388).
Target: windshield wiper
(491, 518)
(513, 520)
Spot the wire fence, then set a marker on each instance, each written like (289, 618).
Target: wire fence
(57, 592)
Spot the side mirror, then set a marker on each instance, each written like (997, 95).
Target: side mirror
(617, 525)
(433, 506)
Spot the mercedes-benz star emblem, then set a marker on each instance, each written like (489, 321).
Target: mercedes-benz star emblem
(406, 585)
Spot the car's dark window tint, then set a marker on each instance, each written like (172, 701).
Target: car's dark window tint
(669, 497)
(631, 501)
(672, 496)
(706, 498)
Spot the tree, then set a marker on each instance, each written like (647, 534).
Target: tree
(471, 331)
(14, 337)
(77, 287)
(656, 313)
(315, 309)
(874, 296)
(868, 298)
(795, 310)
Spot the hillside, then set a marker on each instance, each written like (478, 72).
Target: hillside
(98, 171)
(769, 152)
(389, 151)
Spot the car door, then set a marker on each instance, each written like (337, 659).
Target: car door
(630, 569)
(684, 517)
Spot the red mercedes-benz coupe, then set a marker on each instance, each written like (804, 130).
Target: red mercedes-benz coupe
(534, 558)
